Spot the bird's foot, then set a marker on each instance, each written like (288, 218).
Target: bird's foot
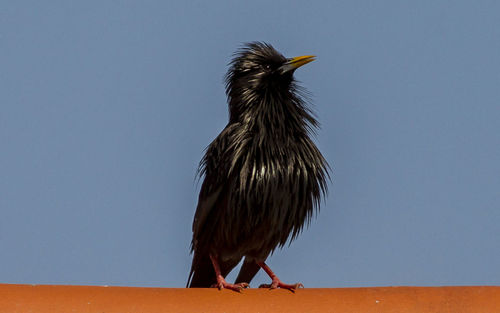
(223, 284)
(277, 283)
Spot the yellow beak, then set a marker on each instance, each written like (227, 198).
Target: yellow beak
(302, 60)
(294, 63)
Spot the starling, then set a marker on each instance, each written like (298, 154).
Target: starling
(263, 175)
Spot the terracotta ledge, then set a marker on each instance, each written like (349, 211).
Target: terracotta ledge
(55, 299)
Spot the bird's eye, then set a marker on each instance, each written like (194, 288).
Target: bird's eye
(267, 66)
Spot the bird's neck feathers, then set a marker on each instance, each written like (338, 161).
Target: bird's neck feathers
(278, 112)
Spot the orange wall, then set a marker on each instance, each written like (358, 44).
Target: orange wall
(55, 299)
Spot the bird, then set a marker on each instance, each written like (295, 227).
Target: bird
(263, 176)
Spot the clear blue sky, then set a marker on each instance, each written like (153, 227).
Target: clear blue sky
(106, 107)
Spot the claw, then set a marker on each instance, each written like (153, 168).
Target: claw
(223, 284)
(276, 282)
(279, 284)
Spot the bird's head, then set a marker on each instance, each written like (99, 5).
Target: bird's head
(259, 72)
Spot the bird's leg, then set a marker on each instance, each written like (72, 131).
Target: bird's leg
(221, 282)
(276, 282)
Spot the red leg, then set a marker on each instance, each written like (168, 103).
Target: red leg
(276, 282)
(221, 282)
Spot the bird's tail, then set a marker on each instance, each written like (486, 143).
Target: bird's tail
(202, 273)
(248, 270)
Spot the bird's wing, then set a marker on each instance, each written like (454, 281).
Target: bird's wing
(209, 196)
(202, 273)
(214, 168)
(211, 200)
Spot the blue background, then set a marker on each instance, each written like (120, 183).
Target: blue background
(106, 107)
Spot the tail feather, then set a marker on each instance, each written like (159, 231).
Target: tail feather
(247, 272)
(202, 274)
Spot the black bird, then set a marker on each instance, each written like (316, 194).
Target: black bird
(263, 175)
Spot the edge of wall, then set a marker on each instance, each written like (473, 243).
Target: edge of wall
(64, 298)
